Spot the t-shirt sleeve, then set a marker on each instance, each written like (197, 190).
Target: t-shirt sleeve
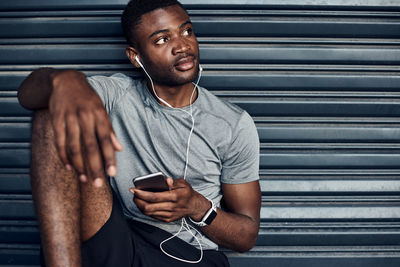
(241, 161)
(109, 88)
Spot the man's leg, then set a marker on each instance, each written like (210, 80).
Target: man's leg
(68, 212)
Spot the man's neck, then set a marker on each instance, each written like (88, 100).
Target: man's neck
(176, 96)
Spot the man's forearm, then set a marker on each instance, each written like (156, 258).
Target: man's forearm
(237, 226)
(234, 231)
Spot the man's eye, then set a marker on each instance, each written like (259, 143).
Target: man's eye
(187, 32)
(162, 40)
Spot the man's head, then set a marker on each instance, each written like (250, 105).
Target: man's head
(160, 34)
(131, 17)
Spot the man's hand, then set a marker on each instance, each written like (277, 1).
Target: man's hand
(180, 201)
(84, 135)
(235, 228)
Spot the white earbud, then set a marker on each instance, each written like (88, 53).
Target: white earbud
(151, 81)
(138, 61)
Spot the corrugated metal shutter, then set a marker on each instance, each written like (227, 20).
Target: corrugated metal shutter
(320, 78)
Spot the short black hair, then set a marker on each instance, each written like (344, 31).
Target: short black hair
(131, 17)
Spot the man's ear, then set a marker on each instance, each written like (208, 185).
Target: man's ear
(131, 53)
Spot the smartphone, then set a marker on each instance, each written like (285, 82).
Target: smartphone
(155, 182)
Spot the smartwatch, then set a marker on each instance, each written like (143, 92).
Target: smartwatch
(208, 217)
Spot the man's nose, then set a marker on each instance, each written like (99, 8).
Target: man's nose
(180, 46)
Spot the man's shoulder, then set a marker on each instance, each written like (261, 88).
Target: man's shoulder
(119, 80)
(116, 89)
(117, 84)
(222, 108)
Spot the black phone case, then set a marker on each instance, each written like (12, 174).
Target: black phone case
(153, 184)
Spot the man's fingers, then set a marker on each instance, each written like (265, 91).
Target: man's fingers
(152, 197)
(104, 132)
(91, 146)
(60, 139)
(164, 211)
(150, 208)
(165, 216)
(170, 182)
(74, 144)
(117, 145)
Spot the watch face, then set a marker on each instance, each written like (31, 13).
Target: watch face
(208, 217)
(211, 217)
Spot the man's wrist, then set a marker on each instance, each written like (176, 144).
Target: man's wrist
(201, 208)
(208, 217)
(57, 76)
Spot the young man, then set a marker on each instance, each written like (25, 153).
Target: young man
(86, 221)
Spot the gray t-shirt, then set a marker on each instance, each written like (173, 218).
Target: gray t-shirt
(224, 146)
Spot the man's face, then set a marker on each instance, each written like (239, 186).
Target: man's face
(167, 46)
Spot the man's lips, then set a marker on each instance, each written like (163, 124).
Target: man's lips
(185, 63)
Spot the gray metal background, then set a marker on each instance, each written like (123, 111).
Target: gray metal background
(320, 78)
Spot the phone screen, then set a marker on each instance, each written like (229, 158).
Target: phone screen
(155, 182)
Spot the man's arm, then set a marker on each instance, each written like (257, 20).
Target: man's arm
(78, 118)
(236, 228)
(34, 92)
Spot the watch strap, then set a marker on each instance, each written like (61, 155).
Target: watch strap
(208, 217)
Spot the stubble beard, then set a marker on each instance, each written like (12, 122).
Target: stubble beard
(170, 78)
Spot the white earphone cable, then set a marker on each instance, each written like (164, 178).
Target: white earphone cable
(184, 224)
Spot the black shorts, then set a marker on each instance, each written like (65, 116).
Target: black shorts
(121, 242)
